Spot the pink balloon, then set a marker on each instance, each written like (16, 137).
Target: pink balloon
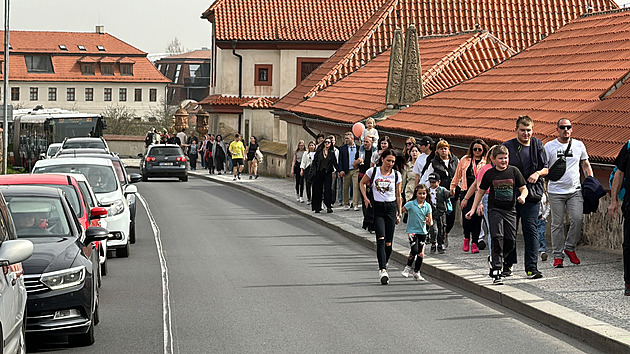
(357, 129)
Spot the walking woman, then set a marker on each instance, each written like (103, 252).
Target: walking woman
(325, 164)
(295, 171)
(467, 169)
(219, 152)
(305, 167)
(252, 161)
(411, 153)
(384, 143)
(387, 206)
(207, 153)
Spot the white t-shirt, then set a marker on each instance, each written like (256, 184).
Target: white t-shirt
(570, 181)
(419, 165)
(383, 186)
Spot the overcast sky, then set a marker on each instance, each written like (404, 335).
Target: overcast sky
(148, 25)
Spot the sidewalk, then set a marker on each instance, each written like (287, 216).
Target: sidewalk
(584, 301)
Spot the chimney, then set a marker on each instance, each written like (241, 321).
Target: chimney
(100, 29)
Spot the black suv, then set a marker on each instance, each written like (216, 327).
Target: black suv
(164, 160)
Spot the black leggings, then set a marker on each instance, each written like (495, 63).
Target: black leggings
(384, 226)
(299, 180)
(322, 183)
(417, 251)
(472, 226)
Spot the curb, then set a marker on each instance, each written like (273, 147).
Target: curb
(596, 333)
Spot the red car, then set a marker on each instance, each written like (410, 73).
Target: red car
(87, 217)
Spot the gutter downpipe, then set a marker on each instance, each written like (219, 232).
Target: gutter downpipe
(240, 81)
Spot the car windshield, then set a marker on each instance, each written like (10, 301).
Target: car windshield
(102, 179)
(166, 151)
(84, 144)
(72, 194)
(38, 217)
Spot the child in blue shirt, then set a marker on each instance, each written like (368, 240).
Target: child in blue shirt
(419, 211)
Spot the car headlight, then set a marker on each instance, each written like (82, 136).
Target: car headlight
(63, 279)
(116, 208)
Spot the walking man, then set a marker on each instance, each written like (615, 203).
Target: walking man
(347, 155)
(565, 194)
(421, 165)
(528, 155)
(623, 169)
(236, 149)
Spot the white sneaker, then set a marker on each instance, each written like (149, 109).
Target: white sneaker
(384, 277)
(298, 199)
(301, 200)
(308, 202)
(417, 276)
(406, 271)
(356, 208)
(340, 204)
(346, 207)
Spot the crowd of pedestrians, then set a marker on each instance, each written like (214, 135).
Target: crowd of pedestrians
(521, 181)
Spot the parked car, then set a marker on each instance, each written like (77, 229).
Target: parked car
(64, 152)
(52, 150)
(124, 178)
(164, 160)
(84, 143)
(12, 290)
(60, 277)
(102, 178)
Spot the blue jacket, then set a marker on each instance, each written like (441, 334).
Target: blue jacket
(344, 157)
(592, 191)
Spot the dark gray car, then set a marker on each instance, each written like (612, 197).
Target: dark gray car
(165, 160)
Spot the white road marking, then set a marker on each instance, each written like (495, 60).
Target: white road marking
(166, 300)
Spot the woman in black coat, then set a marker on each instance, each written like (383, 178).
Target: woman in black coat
(325, 163)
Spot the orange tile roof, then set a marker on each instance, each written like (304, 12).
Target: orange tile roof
(222, 100)
(66, 64)
(446, 61)
(195, 54)
(518, 23)
(563, 76)
(289, 20)
(260, 103)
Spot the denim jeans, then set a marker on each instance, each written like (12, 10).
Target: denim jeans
(542, 227)
(528, 215)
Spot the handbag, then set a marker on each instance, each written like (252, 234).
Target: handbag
(557, 170)
(259, 156)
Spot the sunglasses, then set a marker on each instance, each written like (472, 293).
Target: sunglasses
(565, 127)
(326, 142)
(409, 143)
(477, 149)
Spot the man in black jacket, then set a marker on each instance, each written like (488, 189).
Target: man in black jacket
(347, 154)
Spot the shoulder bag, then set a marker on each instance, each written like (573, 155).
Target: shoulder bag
(557, 170)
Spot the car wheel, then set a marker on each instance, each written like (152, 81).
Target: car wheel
(132, 232)
(184, 179)
(104, 267)
(123, 252)
(83, 340)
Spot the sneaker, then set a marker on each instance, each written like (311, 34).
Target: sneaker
(433, 248)
(496, 277)
(346, 207)
(534, 274)
(356, 208)
(466, 245)
(298, 198)
(557, 263)
(301, 200)
(507, 270)
(417, 276)
(329, 210)
(308, 202)
(340, 204)
(481, 244)
(234, 179)
(239, 176)
(627, 291)
(250, 176)
(543, 256)
(383, 276)
(473, 248)
(440, 249)
(256, 177)
(406, 271)
(572, 256)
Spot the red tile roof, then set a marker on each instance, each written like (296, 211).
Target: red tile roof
(289, 20)
(518, 23)
(563, 76)
(260, 103)
(222, 100)
(66, 63)
(445, 60)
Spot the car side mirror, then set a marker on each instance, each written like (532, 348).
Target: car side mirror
(98, 213)
(95, 233)
(131, 190)
(15, 251)
(135, 177)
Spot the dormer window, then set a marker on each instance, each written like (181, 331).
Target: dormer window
(39, 64)
(126, 69)
(87, 68)
(107, 69)
(100, 48)
(81, 47)
(63, 47)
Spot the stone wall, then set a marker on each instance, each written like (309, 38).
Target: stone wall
(600, 230)
(125, 145)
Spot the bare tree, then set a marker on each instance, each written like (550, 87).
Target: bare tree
(163, 115)
(175, 47)
(122, 120)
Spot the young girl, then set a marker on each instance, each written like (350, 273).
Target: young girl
(305, 166)
(370, 131)
(419, 217)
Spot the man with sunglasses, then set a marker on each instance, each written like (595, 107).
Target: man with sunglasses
(565, 194)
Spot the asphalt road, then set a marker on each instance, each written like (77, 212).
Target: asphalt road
(245, 275)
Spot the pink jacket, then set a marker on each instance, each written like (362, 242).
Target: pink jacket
(460, 173)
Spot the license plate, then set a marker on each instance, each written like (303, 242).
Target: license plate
(166, 164)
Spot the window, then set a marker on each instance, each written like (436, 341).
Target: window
(107, 69)
(34, 94)
(63, 47)
(39, 64)
(122, 94)
(178, 68)
(126, 69)
(70, 93)
(81, 47)
(262, 74)
(89, 94)
(138, 95)
(194, 70)
(15, 93)
(107, 94)
(52, 93)
(87, 68)
(152, 95)
(305, 66)
(100, 48)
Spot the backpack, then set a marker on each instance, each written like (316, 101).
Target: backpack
(622, 190)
